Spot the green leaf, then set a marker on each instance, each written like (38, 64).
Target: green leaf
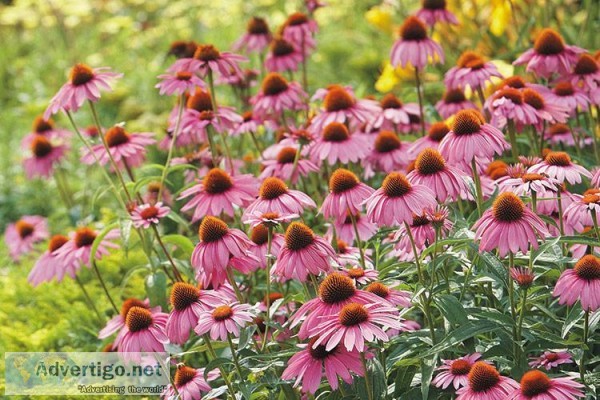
(427, 367)
(182, 242)
(404, 378)
(574, 316)
(99, 240)
(156, 288)
(451, 309)
(462, 333)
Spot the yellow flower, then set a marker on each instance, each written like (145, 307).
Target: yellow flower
(380, 17)
(500, 17)
(390, 77)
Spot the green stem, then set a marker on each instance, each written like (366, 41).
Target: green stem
(586, 328)
(479, 192)
(164, 249)
(420, 96)
(221, 370)
(97, 271)
(236, 360)
(234, 284)
(513, 141)
(268, 282)
(88, 298)
(521, 314)
(295, 165)
(171, 146)
(358, 241)
(367, 377)
(213, 97)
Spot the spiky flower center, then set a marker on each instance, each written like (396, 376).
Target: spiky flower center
(336, 288)
(378, 289)
(24, 229)
(84, 237)
(532, 177)
(337, 99)
(183, 375)
(588, 268)
(138, 319)
(296, 19)
(434, 4)
(281, 47)
(508, 207)
(212, 229)
(454, 96)
(413, 29)
(129, 304)
(438, 131)
(259, 234)
(335, 132)
(274, 84)
(559, 129)
(396, 185)
(483, 377)
(298, 236)
(549, 42)
(342, 180)
(182, 49)
(460, 367)
(217, 181)
(552, 357)
(319, 352)
(116, 136)
(287, 155)
(470, 59)
(558, 158)
(467, 122)
(390, 101)
(387, 141)
(586, 65)
(40, 146)
(183, 76)
(148, 213)
(564, 89)
(353, 314)
(40, 125)
(207, 52)
(183, 295)
(513, 95)
(257, 26)
(535, 382)
(272, 188)
(81, 74)
(222, 313)
(515, 82)
(533, 98)
(200, 101)
(420, 220)
(56, 242)
(273, 297)
(356, 272)
(430, 162)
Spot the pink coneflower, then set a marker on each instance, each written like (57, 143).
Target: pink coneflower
(188, 302)
(545, 111)
(224, 320)
(536, 385)
(117, 323)
(582, 282)
(423, 233)
(146, 215)
(360, 275)
(432, 140)
(355, 324)
(200, 115)
(346, 194)
(507, 105)
(562, 134)
(471, 70)
(274, 196)
(268, 219)
(558, 165)
(455, 372)
(44, 155)
(144, 331)
(259, 237)
(345, 230)
(569, 97)
(251, 123)
(584, 211)
(309, 365)
(125, 148)
(549, 55)
(219, 192)
(336, 144)
(85, 83)
(283, 56)
(551, 359)
(48, 267)
(398, 298)
(46, 129)
(471, 138)
(539, 185)
(388, 154)
(178, 83)
(586, 73)
(393, 113)
(299, 30)
(452, 102)
(335, 291)
(207, 58)
(23, 234)
(397, 201)
(485, 383)
(256, 38)
(414, 47)
(303, 253)
(434, 11)
(340, 105)
(218, 243)
(189, 383)
(282, 166)
(431, 170)
(523, 277)
(277, 95)
(79, 247)
(509, 226)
